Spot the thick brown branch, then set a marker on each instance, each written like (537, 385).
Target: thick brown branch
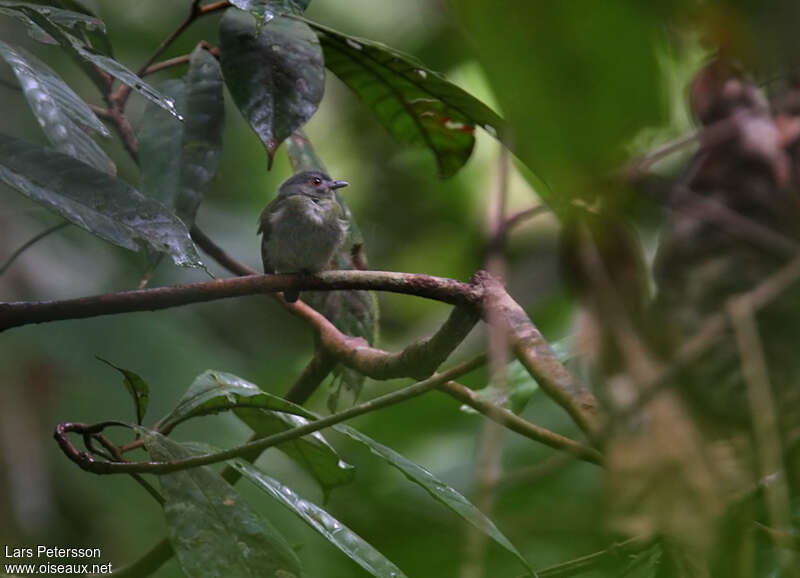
(16, 314)
(535, 354)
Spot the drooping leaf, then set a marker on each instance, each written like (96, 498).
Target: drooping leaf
(160, 140)
(227, 391)
(202, 132)
(276, 75)
(215, 391)
(358, 550)
(435, 487)
(418, 106)
(136, 386)
(94, 37)
(88, 58)
(266, 10)
(211, 528)
(61, 113)
(103, 205)
(82, 21)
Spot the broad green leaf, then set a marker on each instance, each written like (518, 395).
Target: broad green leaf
(61, 113)
(160, 139)
(591, 80)
(211, 528)
(103, 205)
(266, 10)
(276, 75)
(215, 391)
(202, 132)
(352, 312)
(437, 489)
(136, 386)
(418, 106)
(89, 58)
(360, 551)
(93, 37)
(415, 473)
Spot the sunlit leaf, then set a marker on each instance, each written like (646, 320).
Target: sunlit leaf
(275, 75)
(61, 113)
(211, 528)
(104, 205)
(360, 551)
(136, 386)
(89, 59)
(418, 106)
(215, 391)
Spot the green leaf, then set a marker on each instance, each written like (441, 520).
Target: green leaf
(61, 113)
(81, 20)
(211, 528)
(358, 550)
(215, 391)
(418, 106)
(89, 59)
(224, 390)
(437, 489)
(136, 386)
(276, 75)
(103, 205)
(202, 132)
(266, 10)
(160, 139)
(591, 80)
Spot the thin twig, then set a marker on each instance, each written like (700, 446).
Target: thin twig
(29, 243)
(585, 563)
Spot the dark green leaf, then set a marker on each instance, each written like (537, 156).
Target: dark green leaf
(160, 139)
(418, 106)
(61, 113)
(275, 75)
(312, 452)
(215, 391)
(211, 528)
(136, 386)
(437, 489)
(223, 390)
(202, 132)
(331, 529)
(96, 38)
(89, 59)
(106, 206)
(89, 24)
(266, 10)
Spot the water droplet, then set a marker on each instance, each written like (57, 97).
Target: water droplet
(353, 44)
(490, 129)
(454, 125)
(421, 73)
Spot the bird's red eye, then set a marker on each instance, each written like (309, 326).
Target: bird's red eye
(316, 181)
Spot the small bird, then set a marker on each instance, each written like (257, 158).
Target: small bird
(302, 226)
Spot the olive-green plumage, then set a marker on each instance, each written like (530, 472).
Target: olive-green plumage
(302, 226)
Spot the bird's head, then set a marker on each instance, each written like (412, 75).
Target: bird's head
(314, 184)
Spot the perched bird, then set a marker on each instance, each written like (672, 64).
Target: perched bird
(303, 226)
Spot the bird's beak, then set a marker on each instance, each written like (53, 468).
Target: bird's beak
(338, 184)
